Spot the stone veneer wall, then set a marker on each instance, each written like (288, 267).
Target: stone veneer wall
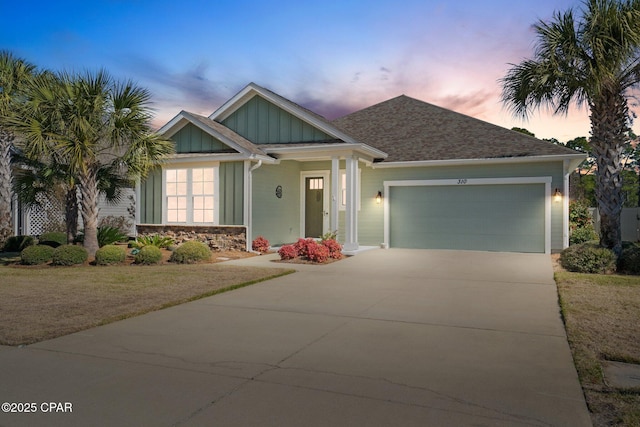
(219, 238)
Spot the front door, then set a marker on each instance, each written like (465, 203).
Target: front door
(314, 206)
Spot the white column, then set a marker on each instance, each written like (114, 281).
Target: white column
(335, 193)
(351, 208)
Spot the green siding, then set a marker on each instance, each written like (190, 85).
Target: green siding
(192, 139)
(262, 122)
(231, 193)
(277, 219)
(507, 218)
(151, 198)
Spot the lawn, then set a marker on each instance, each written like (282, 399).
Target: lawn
(40, 303)
(602, 319)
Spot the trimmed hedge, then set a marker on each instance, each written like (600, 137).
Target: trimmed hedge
(110, 255)
(588, 258)
(148, 255)
(18, 243)
(69, 255)
(53, 239)
(191, 252)
(36, 255)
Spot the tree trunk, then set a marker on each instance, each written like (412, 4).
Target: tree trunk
(609, 127)
(89, 205)
(71, 213)
(6, 228)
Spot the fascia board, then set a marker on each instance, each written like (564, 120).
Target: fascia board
(173, 125)
(212, 157)
(468, 162)
(327, 150)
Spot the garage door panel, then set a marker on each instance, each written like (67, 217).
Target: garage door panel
(478, 217)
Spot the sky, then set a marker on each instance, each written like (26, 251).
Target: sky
(333, 57)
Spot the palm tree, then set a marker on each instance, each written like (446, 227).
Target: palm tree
(14, 73)
(590, 60)
(90, 123)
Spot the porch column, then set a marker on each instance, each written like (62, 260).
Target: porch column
(351, 207)
(335, 193)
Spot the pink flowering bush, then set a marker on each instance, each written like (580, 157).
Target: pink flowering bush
(302, 246)
(335, 248)
(288, 252)
(317, 252)
(260, 244)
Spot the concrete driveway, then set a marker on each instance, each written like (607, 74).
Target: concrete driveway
(388, 337)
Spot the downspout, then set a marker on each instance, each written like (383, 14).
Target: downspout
(250, 204)
(565, 204)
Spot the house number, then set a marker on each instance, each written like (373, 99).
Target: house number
(462, 181)
(279, 191)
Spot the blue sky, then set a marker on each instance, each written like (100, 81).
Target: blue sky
(333, 57)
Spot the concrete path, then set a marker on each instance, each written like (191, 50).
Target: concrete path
(388, 337)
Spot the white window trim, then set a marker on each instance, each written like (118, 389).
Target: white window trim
(216, 194)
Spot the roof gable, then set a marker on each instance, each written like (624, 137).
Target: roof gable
(193, 133)
(410, 130)
(263, 122)
(264, 117)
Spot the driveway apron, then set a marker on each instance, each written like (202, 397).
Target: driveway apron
(388, 337)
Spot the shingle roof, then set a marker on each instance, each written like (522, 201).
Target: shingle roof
(412, 130)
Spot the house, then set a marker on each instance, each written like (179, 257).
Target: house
(401, 173)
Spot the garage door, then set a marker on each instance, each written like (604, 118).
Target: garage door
(507, 218)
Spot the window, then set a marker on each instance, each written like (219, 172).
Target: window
(190, 195)
(343, 189)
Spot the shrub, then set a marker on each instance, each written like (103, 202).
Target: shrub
(18, 243)
(152, 240)
(53, 239)
(288, 252)
(317, 253)
(69, 255)
(629, 261)
(335, 248)
(36, 255)
(588, 258)
(191, 252)
(260, 244)
(108, 235)
(148, 255)
(302, 246)
(110, 254)
(579, 215)
(583, 234)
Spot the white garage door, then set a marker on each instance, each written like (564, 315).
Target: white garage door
(506, 217)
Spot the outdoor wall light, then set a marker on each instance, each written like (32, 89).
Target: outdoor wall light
(557, 196)
(379, 197)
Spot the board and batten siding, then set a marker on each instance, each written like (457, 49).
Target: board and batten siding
(150, 203)
(262, 122)
(231, 195)
(191, 139)
(276, 219)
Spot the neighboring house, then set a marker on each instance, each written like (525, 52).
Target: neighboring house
(402, 173)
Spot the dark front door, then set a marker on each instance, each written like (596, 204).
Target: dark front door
(313, 206)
